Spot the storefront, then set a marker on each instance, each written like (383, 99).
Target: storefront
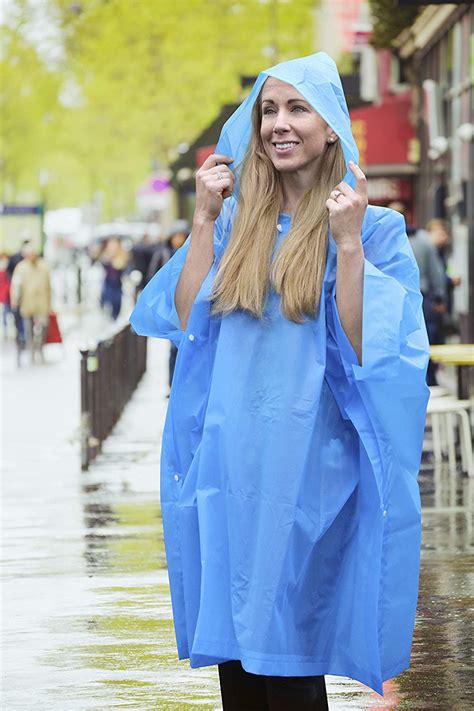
(438, 48)
(184, 169)
(388, 150)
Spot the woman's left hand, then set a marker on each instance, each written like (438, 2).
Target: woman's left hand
(347, 209)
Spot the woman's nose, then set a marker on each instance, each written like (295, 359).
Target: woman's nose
(281, 124)
(281, 128)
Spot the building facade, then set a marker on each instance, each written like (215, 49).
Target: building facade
(439, 50)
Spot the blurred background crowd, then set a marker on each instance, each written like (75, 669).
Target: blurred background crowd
(109, 108)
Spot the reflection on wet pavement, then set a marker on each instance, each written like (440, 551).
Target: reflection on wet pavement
(87, 614)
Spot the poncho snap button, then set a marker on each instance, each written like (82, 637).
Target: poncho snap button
(279, 228)
(191, 337)
(176, 477)
(385, 512)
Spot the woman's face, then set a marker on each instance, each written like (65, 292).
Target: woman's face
(294, 135)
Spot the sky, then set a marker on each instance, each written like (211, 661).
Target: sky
(41, 28)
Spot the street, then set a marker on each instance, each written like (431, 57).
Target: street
(86, 609)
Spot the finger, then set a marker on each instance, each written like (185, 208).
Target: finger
(224, 182)
(338, 197)
(221, 170)
(219, 185)
(345, 189)
(214, 159)
(361, 180)
(212, 178)
(332, 205)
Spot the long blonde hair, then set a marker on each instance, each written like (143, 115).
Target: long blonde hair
(246, 270)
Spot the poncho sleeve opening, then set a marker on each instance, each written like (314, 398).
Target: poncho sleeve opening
(155, 312)
(391, 305)
(389, 388)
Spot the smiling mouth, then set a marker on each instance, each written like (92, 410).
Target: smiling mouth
(285, 146)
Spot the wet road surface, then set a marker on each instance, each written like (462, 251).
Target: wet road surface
(86, 610)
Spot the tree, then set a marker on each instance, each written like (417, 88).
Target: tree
(136, 79)
(28, 95)
(389, 20)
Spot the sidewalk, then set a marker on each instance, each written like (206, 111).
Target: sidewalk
(86, 610)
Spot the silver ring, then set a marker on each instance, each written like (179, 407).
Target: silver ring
(335, 194)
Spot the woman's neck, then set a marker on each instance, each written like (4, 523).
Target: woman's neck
(294, 186)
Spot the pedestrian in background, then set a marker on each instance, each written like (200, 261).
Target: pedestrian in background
(295, 425)
(400, 207)
(440, 235)
(114, 259)
(165, 250)
(433, 284)
(17, 257)
(31, 297)
(433, 289)
(176, 238)
(142, 253)
(13, 261)
(4, 292)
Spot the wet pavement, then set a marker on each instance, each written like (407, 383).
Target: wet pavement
(86, 610)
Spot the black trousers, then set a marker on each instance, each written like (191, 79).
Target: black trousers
(242, 691)
(172, 361)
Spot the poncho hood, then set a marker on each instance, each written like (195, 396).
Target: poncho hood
(318, 81)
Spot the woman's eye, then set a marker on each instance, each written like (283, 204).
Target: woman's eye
(294, 109)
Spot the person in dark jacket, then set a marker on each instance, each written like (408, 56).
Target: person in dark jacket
(114, 260)
(433, 289)
(439, 233)
(142, 254)
(176, 238)
(13, 261)
(432, 284)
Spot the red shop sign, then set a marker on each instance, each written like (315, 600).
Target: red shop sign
(383, 132)
(203, 153)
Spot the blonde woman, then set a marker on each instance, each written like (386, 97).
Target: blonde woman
(294, 430)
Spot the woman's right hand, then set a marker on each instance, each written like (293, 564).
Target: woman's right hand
(214, 182)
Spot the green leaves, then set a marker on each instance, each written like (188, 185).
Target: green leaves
(389, 20)
(134, 79)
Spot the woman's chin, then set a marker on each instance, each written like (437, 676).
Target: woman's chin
(287, 168)
(284, 165)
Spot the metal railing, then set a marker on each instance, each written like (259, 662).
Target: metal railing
(109, 375)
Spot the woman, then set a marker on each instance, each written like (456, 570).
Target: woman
(114, 260)
(294, 432)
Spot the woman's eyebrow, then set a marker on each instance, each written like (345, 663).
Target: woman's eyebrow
(290, 101)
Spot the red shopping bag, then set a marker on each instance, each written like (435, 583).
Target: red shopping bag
(54, 334)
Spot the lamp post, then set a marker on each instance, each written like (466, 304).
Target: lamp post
(43, 179)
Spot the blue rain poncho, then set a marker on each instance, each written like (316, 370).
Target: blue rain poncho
(289, 488)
